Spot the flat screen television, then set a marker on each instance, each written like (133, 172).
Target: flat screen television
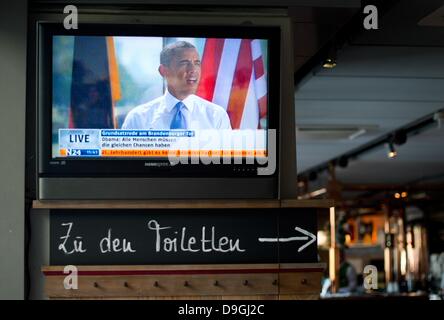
(149, 111)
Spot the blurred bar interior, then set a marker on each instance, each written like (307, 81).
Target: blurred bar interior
(369, 114)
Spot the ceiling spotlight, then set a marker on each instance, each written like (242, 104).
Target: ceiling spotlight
(329, 63)
(391, 153)
(330, 60)
(404, 194)
(397, 195)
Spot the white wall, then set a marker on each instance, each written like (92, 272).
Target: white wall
(12, 145)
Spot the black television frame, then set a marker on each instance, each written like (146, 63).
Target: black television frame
(119, 167)
(242, 185)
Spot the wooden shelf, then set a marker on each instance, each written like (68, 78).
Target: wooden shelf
(180, 204)
(228, 281)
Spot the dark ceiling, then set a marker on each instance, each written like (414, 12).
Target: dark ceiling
(384, 80)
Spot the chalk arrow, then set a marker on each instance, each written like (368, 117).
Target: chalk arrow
(308, 235)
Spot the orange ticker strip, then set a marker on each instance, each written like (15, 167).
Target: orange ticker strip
(189, 153)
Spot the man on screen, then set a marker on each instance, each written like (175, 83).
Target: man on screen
(179, 107)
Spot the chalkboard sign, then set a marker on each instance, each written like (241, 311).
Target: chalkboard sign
(185, 236)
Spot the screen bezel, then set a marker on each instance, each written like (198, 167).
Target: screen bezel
(118, 167)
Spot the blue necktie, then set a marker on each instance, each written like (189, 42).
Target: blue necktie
(179, 121)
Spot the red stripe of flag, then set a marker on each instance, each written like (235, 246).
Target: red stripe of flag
(210, 65)
(241, 81)
(258, 68)
(262, 102)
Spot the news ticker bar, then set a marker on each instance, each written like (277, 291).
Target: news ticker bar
(162, 153)
(161, 143)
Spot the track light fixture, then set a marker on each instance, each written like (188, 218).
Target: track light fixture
(399, 137)
(330, 60)
(329, 63)
(391, 152)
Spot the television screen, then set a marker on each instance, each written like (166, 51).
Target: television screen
(149, 96)
(173, 109)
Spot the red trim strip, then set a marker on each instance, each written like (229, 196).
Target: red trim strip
(178, 272)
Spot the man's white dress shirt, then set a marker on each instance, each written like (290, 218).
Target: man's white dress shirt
(158, 114)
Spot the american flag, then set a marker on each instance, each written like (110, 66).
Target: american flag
(233, 76)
